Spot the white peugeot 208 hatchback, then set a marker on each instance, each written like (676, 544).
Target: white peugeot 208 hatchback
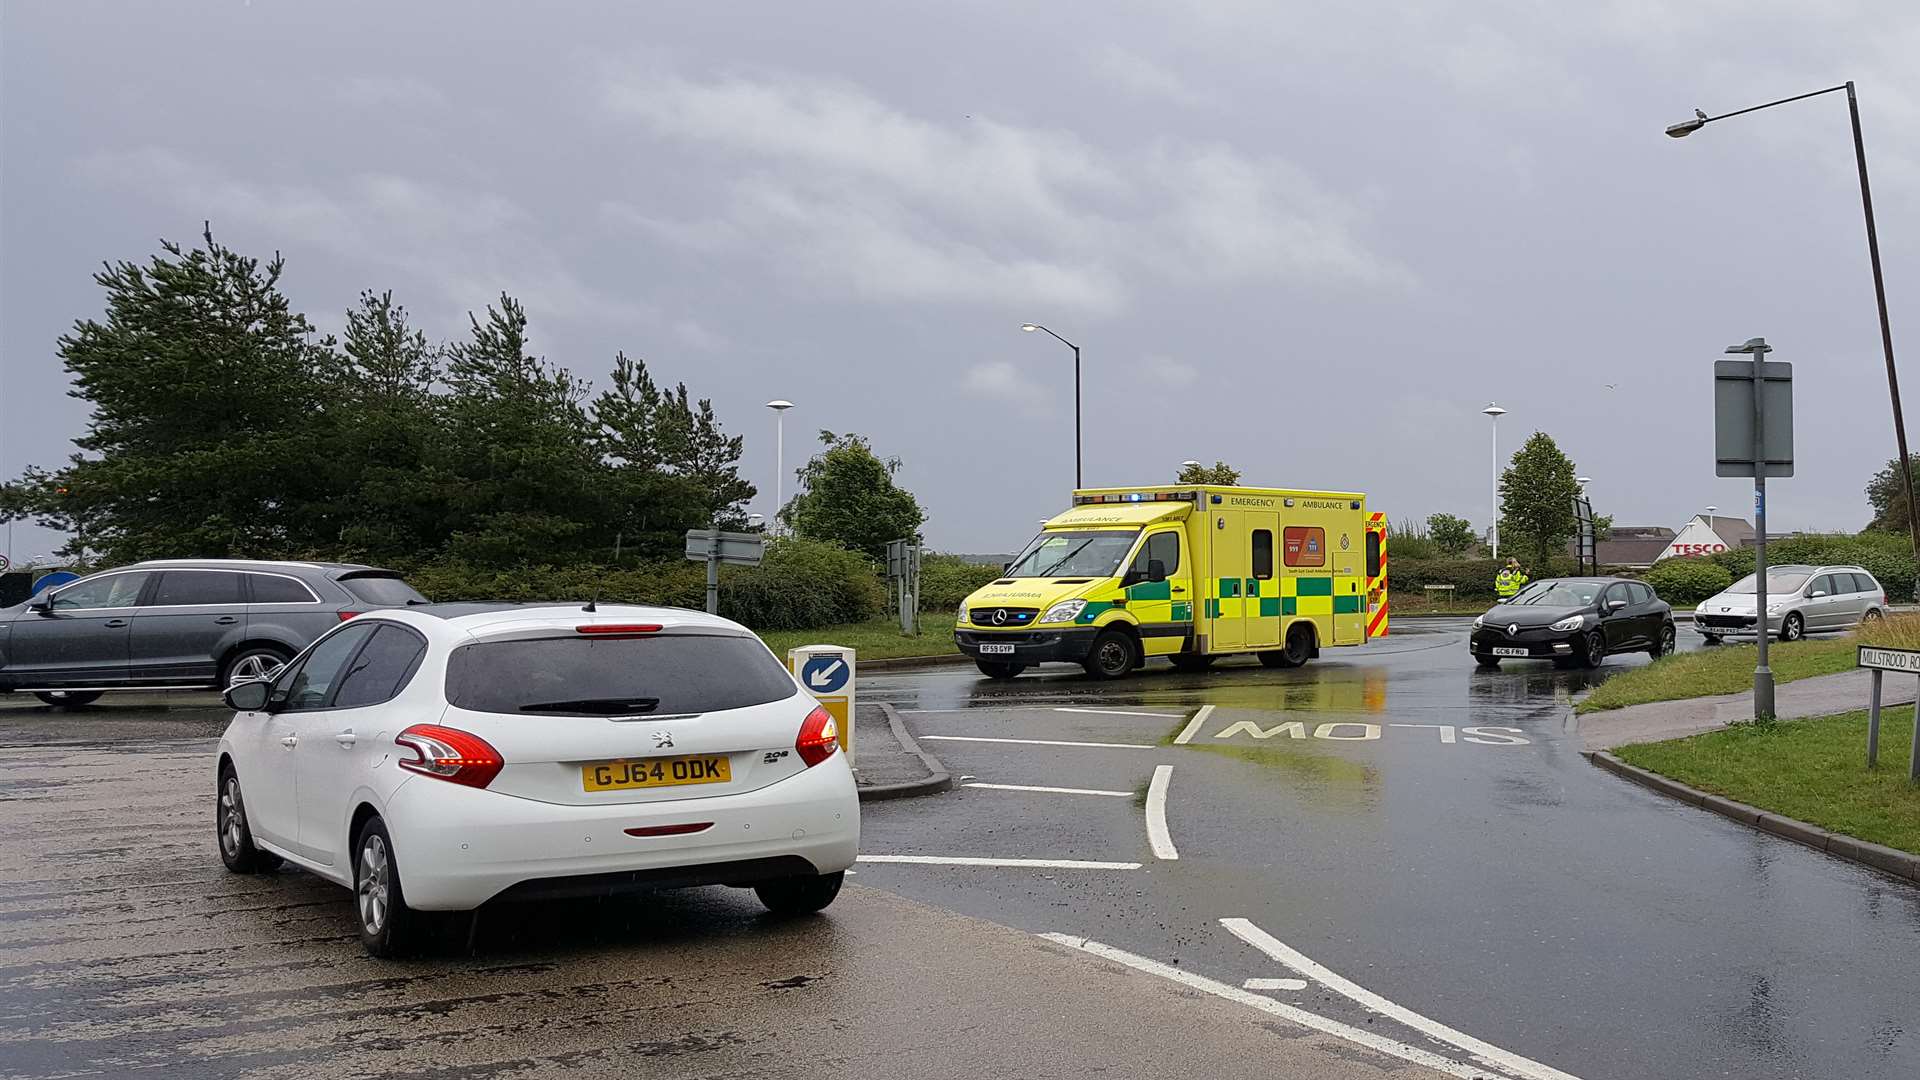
(436, 758)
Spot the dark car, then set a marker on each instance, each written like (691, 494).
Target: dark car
(181, 624)
(1574, 620)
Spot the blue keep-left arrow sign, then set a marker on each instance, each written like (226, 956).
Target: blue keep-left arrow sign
(825, 674)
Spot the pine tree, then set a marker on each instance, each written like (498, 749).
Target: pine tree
(387, 430)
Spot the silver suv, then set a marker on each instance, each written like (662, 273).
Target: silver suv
(181, 624)
(1801, 600)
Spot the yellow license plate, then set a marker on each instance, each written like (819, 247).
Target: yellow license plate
(656, 772)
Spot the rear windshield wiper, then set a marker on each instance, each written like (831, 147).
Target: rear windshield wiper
(599, 705)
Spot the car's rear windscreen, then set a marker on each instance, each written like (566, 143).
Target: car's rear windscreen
(387, 590)
(662, 674)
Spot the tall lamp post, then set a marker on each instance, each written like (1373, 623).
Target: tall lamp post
(1030, 328)
(1710, 528)
(1189, 464)
(779, 407)
(1700, 119)
(1496, 412)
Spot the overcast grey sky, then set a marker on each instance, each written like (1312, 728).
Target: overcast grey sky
(1312, 242)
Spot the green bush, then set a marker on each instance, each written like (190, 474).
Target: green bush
(1887, 556)
(803, 584)
(1687, 581)
(946, 580)
(681, 584)
(1472, 579)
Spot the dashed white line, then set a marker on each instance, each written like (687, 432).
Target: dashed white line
(1193, 726)
(1118, 712)
(1036, 864)
(1157, 836)
(1039, 742)
(1051, 790)
(1271, 1007)
(1274, 984)
(1486, 1053)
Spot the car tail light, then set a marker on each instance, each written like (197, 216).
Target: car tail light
(450, 754)
(345, 615)
(819, 737)
(617, 629)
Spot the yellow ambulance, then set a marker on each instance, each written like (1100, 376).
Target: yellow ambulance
(1191, 573)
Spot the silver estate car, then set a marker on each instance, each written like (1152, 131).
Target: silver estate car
(1801, 600)
(181, 624)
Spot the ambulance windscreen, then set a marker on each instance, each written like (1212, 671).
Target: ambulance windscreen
(1066, 553)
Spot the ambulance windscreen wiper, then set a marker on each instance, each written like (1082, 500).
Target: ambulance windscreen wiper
(1062, 560)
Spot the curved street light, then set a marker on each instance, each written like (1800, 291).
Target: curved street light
(1495, 412)
(1030, 328)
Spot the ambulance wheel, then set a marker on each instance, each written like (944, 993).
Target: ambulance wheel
(1297, 651)
(999, 669)
(1191, 661)
(1112, 656)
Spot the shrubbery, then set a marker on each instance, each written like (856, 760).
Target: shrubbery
(1472, 579)
(946, 580)
(1887, 556)
(1687, 581)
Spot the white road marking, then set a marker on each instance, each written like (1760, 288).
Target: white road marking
(1051, 790)
(1118, 712)
(1040, 742)
(1193, 726)
(1267, 1005)
(1036, 864)
(1157, 836)
(1446, 730)
(1274, 984)
(1486, 1053)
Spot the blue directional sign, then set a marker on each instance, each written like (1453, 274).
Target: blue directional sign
(54, 580)
(825, 674)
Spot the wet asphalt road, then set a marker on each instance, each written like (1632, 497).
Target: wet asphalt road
(1472, 869)
(1478, 872)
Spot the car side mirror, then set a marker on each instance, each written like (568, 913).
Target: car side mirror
(1005, 566)
(1615, 605)
(250, 696)
(1133, 576)
(1156, 570)
(1818, 592)
(41, 604)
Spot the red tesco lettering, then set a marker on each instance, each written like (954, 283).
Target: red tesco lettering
(1691, 550)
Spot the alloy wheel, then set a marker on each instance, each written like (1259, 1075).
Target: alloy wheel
(253, 666)
(1666, 641)
(233, 816)
(375, 884)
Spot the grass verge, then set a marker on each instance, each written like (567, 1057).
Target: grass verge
(877, 640)
(1721, 669)
(1814, 770)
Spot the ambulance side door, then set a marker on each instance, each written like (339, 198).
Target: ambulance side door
(1223, 591)
(1262, 590)
(1162, 603)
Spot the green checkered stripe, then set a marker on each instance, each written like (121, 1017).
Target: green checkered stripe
(1282, 596)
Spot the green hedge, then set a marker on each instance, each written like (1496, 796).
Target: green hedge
(1687, 581)
(945, 580)
(1472, 579)
(1887, 556)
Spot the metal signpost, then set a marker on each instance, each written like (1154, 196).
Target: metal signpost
(1753, 436)
(1880, 661)
(903, 580)
(827, 673)
(714, 547)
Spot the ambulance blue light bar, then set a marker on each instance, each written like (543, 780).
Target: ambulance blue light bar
(1138, 496)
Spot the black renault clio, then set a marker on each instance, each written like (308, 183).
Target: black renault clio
(1574, 620)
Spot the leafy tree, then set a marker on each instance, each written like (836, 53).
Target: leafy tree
(1887, 496)
(1451, 535)
(847, 495)
(1536, 500)
(522, 455)
(386, 428)
(1219, 473)
(203, 384)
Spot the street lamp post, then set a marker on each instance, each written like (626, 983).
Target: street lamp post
(1700, 120)
(1710, 528)
(1496, 412)
(779, 407)
(1188, 464)
(1030, 328)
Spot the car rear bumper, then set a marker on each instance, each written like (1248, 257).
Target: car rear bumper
(458, 847)
(1065, 645)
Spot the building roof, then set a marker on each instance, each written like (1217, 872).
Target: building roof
(1735, 531)
(1631, 551)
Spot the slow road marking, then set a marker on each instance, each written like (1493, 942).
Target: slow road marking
(1274, 984)
(1037, 864)
(1484, 1052)
(1193, 726)
(1313, 1021)
(1040, 742)
(1050, 790)
(1158, 838)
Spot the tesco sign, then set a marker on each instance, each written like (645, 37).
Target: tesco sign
(1692, 550)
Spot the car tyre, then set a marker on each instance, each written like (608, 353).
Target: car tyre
(1793, 627)
(252, 662)
(999, 669)
(68, 699)
(1488, 662)
(388, 927)
(1713, 639)
(1872, 615)
(1664, 644)
(1192, 661)
(1113, 656)
(800, 895)
(1594, 649)
(235, 834)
